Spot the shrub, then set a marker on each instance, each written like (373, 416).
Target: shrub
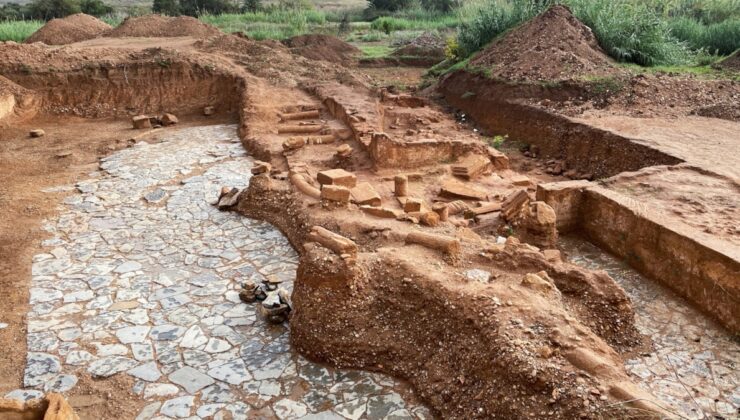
(95, 8)
(630, 31)
(11, 11)
(166, 7)
(198, 7)
(50, 9)
(252, 5)
(389, 5)
(717, 38)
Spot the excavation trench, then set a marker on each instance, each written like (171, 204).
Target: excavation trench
(122, 288)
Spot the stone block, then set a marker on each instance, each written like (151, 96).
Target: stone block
(337, 177)
(335, 193)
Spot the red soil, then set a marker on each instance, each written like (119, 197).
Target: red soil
(162, 27)
(322, 47)
(74, 28)
(553, 46)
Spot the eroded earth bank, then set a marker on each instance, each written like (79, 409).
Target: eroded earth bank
(422, 268)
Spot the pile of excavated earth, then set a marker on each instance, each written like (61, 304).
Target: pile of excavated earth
(322, 47)
(410, 248)
(74, 28)
(554, 46)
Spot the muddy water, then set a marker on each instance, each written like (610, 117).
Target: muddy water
(693, 365)
(141, 277)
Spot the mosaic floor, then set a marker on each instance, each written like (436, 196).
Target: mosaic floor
(694, 365)
(140, 279)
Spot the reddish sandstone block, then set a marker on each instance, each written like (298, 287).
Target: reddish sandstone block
(337, 177)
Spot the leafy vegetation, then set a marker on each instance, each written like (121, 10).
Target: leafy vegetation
(720, 38)
(18, 30)
(652, 32)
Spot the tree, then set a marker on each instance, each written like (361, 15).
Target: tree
(252, 5)
(12, 11)
(198, 7)
(166, 7)
(390, 5)
(95, 7)
(50, 9)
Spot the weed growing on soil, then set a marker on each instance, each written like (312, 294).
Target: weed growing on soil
(606, 85)
(375, 51)
(497, 142)
(18, 30)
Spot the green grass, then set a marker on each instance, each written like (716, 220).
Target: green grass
(19, 30)
(388, 24)
(375, 51)
(721, 38)
(702, 72)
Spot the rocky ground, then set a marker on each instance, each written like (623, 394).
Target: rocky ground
(140, 277)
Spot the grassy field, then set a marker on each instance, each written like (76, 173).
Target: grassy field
(18, 31)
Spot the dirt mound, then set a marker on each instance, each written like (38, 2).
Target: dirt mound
(553, 46)
(322, 47)
(427, 45)
(731, 63)
(158, 26)
(74, 28)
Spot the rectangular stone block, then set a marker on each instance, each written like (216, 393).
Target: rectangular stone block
(335, 193)
(337, 177)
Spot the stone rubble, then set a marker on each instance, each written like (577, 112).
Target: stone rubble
(153, 292)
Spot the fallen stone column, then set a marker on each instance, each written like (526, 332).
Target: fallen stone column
(305, 115)
(337, 243)
(297, 129)
(447, 245)
(484, 209)
(303, 186)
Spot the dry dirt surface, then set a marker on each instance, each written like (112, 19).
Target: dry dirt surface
(74, 28)
(553, 46)
(162, 26)
(322, 47)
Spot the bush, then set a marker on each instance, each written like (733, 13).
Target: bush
(631, 31)
(252, 5)
(95, 8)
(50, 9)
(166, 7)
(717, 38)
(198, 7)
(390, 5)
(12, 11)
